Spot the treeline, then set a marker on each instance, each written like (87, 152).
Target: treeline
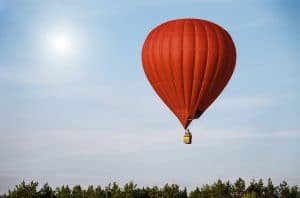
(219, 189)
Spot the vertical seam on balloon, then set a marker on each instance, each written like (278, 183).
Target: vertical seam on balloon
(150, 58)
(232, 58)
(233, 48)
(182, 66)
(206, 93)
(153, 55)
(224, 60)
(217, 63)
(225, 78)
(147, 68)
(171, 68)
(196, 92)
(228, 43)
(161, 37)
(161, 94)
(203, 76)
(194, 65)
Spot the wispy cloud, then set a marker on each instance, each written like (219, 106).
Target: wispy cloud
(249, 102)
(211, 134)
(63, 143)
(38, 76)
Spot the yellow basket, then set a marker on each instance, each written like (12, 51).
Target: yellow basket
(187, 139)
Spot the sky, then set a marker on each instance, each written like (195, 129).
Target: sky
(76, 108)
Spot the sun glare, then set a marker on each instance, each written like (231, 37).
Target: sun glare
(60, 43)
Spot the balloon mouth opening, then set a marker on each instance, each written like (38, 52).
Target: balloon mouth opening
(198, 114)
(186, 120)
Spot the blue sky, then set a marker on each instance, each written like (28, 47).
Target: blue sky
(89, 116)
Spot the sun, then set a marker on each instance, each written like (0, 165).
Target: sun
(60, 43)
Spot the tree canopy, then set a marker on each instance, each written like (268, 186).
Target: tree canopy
(219, 189)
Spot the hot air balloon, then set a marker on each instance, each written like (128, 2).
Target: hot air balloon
(188, 62)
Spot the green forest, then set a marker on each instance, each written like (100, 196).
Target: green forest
(219, 189)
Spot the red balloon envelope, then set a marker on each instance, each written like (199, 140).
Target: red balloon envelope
(188, 62)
